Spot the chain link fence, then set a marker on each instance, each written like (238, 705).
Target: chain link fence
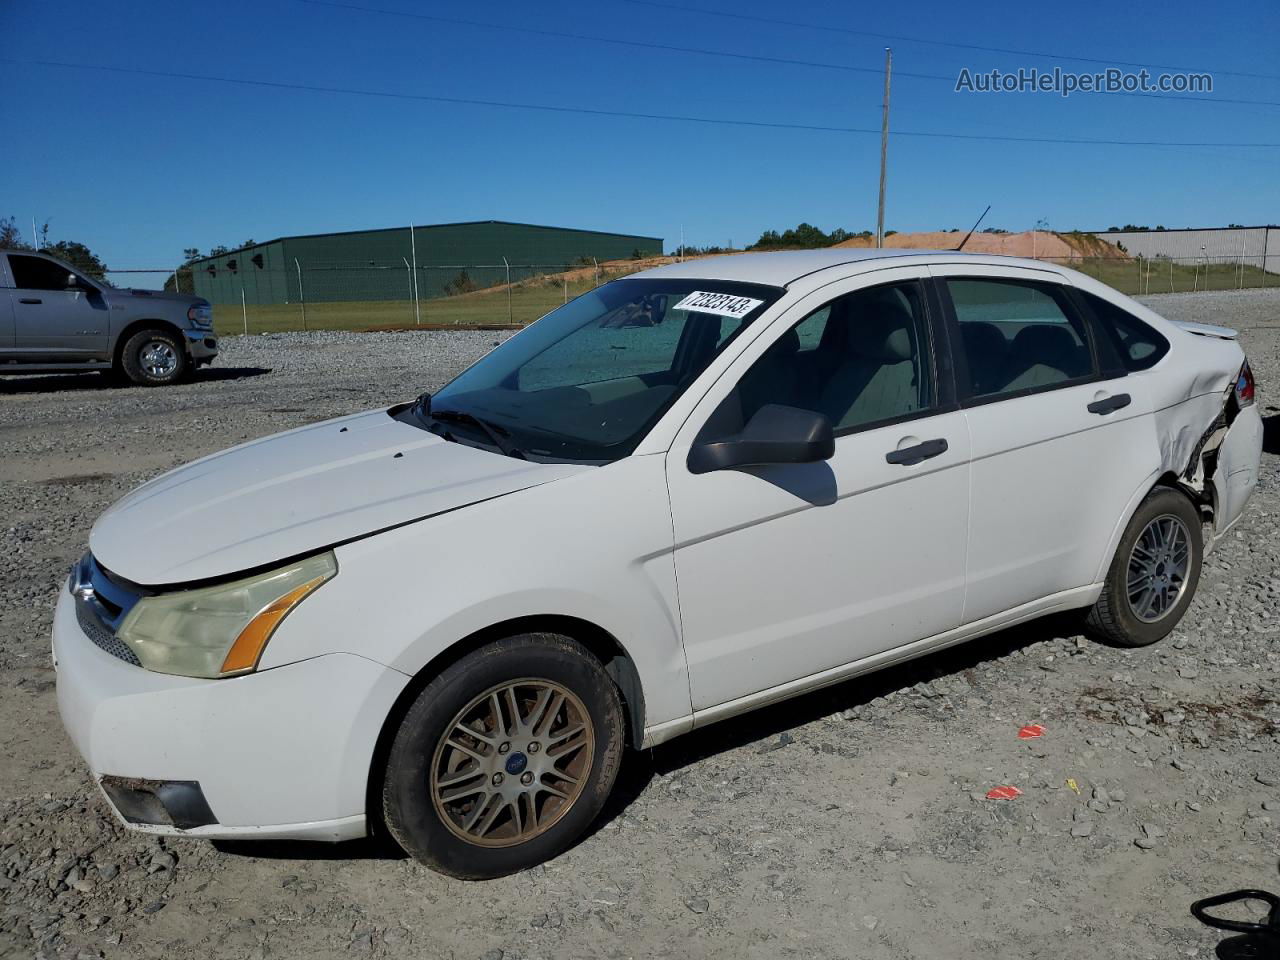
(382, 296)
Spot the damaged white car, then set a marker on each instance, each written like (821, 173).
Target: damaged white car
(681, 496)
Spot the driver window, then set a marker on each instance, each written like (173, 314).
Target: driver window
(36, 273)
(860, 360)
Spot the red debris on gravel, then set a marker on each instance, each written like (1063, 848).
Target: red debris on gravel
(1003, 793)
(1031, 731)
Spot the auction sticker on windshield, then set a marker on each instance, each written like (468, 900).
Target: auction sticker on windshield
(721, 304)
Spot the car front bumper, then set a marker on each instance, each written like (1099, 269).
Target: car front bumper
(203, 345)
(281, 754)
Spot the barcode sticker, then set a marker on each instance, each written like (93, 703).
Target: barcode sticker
(721, 304)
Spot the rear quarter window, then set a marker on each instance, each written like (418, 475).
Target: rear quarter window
(1138, 345)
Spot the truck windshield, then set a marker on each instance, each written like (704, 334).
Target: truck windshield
(587, 381)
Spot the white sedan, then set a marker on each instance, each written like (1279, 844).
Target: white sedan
(688, 493)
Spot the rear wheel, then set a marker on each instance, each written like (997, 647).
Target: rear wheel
(154, 358)
(505, 758)
(1154, 573)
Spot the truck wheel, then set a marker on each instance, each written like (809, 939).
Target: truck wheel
(154, 358)
(505, 758)
(1154, 573)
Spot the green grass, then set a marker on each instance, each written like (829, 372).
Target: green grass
(528, 300)
(532, 298)
(1133, 277)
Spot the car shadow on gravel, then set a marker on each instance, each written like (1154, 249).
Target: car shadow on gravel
(98, 380)
(370, 848)
(1271, 430)
(773, 722)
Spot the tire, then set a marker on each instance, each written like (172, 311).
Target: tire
(1165, 526)
(154, 358)
(486, 811)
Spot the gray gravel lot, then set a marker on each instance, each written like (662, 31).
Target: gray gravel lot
(847, 823)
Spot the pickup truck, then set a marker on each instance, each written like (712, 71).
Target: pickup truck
(53, 319)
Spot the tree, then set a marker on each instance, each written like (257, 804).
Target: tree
(72, 252)
(805, 237)
(78, 256)
(11, 236)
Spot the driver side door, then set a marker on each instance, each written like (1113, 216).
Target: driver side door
(52, 320)
(790, 573)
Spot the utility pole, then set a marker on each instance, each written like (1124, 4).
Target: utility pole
(884, 144)
(413, 247)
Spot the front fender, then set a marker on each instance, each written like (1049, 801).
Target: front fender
(594, 546)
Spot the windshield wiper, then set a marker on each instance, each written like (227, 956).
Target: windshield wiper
(507, 448)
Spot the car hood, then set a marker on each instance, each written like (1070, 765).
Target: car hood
(296, 493)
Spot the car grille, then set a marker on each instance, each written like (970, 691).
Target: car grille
(102, 637)
(101, 605)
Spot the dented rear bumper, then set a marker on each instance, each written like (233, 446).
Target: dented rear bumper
(1235, 473)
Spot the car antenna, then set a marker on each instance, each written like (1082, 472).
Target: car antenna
(975, 227)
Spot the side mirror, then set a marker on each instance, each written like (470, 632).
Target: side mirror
(776, 434)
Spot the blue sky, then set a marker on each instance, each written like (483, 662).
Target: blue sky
(139, 167)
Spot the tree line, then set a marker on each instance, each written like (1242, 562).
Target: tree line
(71, 252)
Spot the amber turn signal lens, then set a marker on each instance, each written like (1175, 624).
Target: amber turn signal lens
(244, 653)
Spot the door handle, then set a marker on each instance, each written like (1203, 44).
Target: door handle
(1108, 404)
(908, 456)
(31, 300)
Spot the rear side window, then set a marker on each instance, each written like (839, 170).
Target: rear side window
(1018, 336)
(36, 273)
(1138, 345)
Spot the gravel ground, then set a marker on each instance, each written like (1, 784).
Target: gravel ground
(852, 822)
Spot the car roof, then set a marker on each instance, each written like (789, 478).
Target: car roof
(784, 267)
(31, 253)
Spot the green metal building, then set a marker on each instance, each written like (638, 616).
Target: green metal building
(379, 264)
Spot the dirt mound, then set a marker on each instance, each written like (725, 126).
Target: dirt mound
(1042, 244)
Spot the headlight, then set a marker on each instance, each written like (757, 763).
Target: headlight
(219, 631)
(201, 315)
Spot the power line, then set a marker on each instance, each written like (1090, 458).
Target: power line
(643, 44)
(589, 111)
(700, 51)
(938, 43)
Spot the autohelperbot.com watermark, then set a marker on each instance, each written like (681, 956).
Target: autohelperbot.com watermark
(1065, 82)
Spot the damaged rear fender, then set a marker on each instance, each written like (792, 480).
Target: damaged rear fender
(1209, 450)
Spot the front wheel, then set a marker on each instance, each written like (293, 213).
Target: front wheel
(505, 758)
(1154, 573)
(154, 358)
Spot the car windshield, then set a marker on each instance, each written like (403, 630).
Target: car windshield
(587, 381)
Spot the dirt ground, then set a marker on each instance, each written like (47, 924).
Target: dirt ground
(849, 823)
(1042, 244)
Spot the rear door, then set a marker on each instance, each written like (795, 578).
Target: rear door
(1062, 438)
(54, 318)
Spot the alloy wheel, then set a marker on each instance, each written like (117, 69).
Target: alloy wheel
(512, 762)
(1158, 566)
(158, 359)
